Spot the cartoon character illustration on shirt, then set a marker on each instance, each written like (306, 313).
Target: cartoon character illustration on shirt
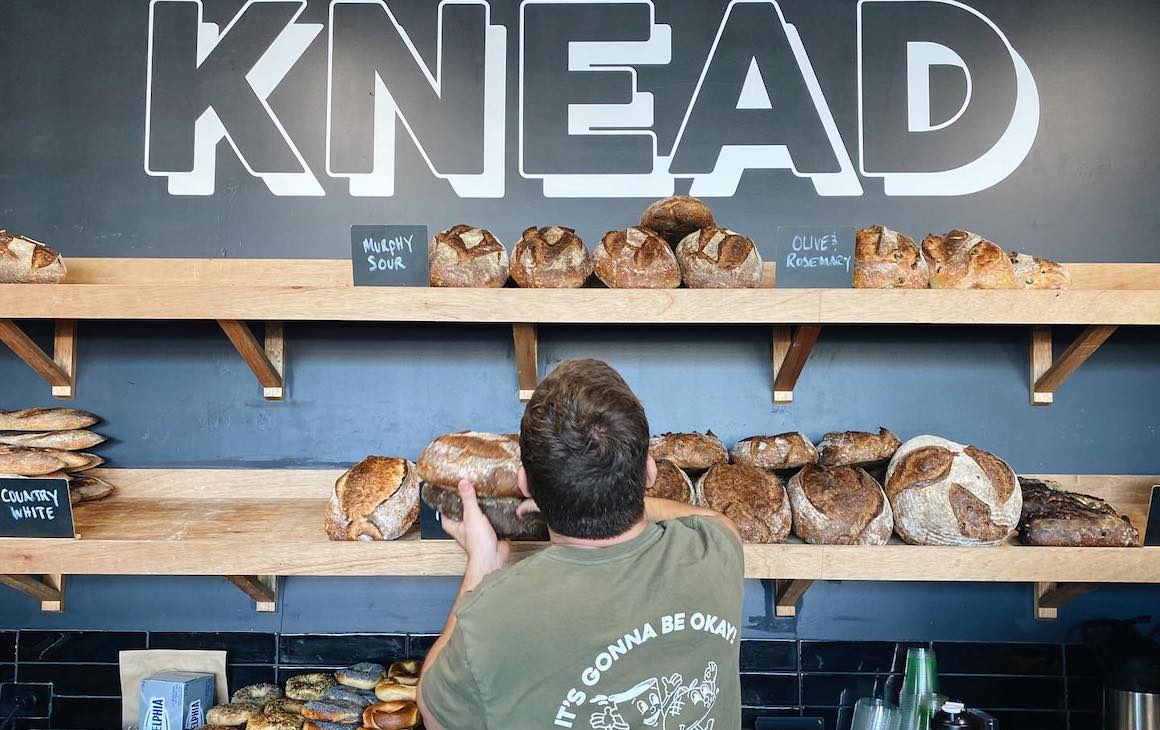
(664, 703)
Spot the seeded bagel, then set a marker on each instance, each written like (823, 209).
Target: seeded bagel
(332, 711)
(307, 687)
(257, 693)
(274, 721)
(232, 713)
(364, 675)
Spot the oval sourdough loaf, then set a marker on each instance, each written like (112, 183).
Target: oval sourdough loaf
(676, 217)
(490, 461)
(671, 483)
(839, 505)
(550, 258)
(25, 261)
(753, 498)
(499, 511)
(376, 499)
(717, 258)
(784, 451)
(1053, 516)
(692, 451)
(465, 256)
(636, 258)
(886, 259)
(1032, 272)
(965, 260)
(944, 493)
(857, 448)
(45, 419)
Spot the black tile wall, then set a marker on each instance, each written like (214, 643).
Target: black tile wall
(76, 646)
(965, 658)
(769, 656)
(769, 690)
(340, 649)
(240, 648)
(7, 647)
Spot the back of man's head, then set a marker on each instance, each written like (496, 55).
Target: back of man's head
(584, 444)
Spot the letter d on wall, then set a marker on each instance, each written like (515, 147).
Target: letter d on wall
(946, 105)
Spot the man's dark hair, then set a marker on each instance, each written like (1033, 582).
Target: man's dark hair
(584, 444)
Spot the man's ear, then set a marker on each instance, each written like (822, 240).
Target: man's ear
(650, 472)
(522, 482)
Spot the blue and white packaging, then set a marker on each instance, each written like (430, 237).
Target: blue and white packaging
(173, 700)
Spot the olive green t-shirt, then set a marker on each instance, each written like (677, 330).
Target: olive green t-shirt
(644, 634)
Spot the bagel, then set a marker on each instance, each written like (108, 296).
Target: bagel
(349, 695)
(391, 716)
(310, 725)
(284, 704)
(257, 693)
(232, 713)
(330, 711)
(274, 721)
(364, 675)
(307, 687)
(409, 667)
(388, 690)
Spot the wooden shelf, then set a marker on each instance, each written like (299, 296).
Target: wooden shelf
(269, 522)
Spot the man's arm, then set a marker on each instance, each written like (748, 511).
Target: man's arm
(657, 509)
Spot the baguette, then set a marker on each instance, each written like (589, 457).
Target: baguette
(75, 440)
(28, 462)
(45, 419)
(88, 489)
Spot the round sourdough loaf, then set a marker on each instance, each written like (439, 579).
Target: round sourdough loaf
(839, 505)
(1032, 272)
(25, 261)
(717, 258)
(753, 498)
(466, 256)
(671, 483)
(490, 461)
(550, 258)
(886, 259)
(944, 493)
(857, 448)
(499, 511)
(783, 451)
(636, 258)
(676, 217)
(692, 451)
(376, 499)
(965, 260)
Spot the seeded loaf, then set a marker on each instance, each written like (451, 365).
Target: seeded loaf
(886, 259)
(376, 499)
(965, 260)
(1032, 272)
(839, 505)
(753, 498)
(691, 451)
(1053, 516)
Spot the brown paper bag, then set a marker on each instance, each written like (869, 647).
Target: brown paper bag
(136, 665)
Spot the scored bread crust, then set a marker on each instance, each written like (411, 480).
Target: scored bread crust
(45, 419)
(718, 258)
(693, 451)
(25, 261)
(965, 260)
(887, 259)
(75, 440)
(857, 448)
(1032, 272)
(499, 511)
(671, 483)
(84, 488)
(1055, 517)
(552, 257)
(753, 498)
(376, 499)
(839, 505)
(783, 451)
(466, 256)
(945, 493)
(677, 216)
(490, 461)
(636, 258)
(31, 462)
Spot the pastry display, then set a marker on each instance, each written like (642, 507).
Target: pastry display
(965, 260)
(784, 451)
(717, 258)
(677, 216)
(45, 419)
(306, 687)
(1032, 272)
(364, 675)
(396, 715)
(753, 498)
(464, 256)
(671, 483)
(839, 505)
(886, 259)
(1056, 517)
(25, 261)
(944, 493)
(692, 451)
(232, 714)
(376, 499)
(857, 448)
(636, 258)
(257, 693)
(550, 258)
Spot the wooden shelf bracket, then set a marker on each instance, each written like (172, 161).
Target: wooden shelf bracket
(262, 588)
(1049, 597)
(48, 589)
(1048, 373)
(788, 593)
(527, 354)
(266, 361)
(791, 349)
(58, 371)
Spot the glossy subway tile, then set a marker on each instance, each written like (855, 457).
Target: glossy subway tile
(419, 644)
(284, 673)
(240, 675)
(75, 680)
(769, 690)
(750, 715)
(768, 655)
(999, 658)
(1028, 693)
(1030, 719)
(870, 657)
(76, 646)
(240, 647)
(7, 647)
(1085, 693)
(340, 649)
(85, 713)
(836, 690)
(1080, 661)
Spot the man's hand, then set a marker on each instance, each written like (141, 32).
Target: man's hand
(485, 552)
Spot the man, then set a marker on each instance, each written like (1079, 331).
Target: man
(629, 619)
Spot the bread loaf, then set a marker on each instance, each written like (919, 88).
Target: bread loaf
(857, 448)
(66, 440)
(783, 451)
(753, 498)
(839, 505)
(376, 499)
(717, 258)
(550, 258)
(29, 462)
(87, 489)
(965, 260)
(490, 461)
(886, 259)
(1053, 516)
(944, 493)
(671, 483)
(692, 451)
(677, 216)
(465, 256)
(45, 419)
(636, 258)
(1032, 272)
(397, 715)
(25, 261)
(499, 511)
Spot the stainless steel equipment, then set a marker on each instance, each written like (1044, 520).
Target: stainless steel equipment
(1124, 710)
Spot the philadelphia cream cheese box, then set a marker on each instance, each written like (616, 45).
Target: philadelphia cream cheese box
(175, 700)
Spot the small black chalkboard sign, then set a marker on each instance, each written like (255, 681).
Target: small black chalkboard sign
(1152, 531)
(814, 257)
(35, 508)
(389, 255)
